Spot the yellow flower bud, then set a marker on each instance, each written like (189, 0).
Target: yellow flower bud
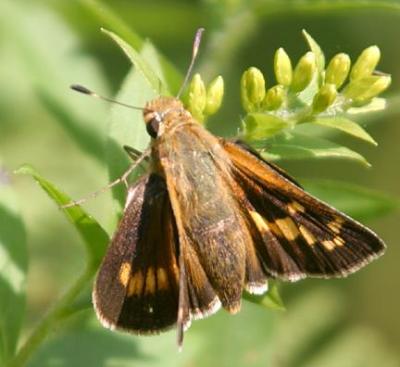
(215, 93)
(303, 72)
(283, 68)
(197, 97)
(363, 90)
(324, 98)
(338, 70)
(274, 97)
(366, 63)
(252, 88)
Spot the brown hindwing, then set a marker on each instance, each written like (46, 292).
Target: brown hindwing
(295, 234)
(137, 285)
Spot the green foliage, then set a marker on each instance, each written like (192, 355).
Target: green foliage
(272, 125)
(300, 146)
(94, 237)
(13, 269)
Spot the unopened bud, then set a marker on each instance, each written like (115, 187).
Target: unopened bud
(252, 89)
(324, 98)
(197, 97)
(366, 63)
(362, 90)
(338, 70)
(283, 68)
(215, 93)
(274, 97)
(303, 72)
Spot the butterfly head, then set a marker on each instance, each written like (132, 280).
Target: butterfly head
(161, 112)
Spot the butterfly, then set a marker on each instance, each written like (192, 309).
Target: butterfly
(210, 219)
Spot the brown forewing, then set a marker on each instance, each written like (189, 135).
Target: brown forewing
(295, 234)
(137, 285)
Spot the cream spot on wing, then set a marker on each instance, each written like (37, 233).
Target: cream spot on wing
(162, 279)
(336, 225)
(307, 235)
(338, 241)
(288, 228)
(150, 281)
(125, 273)
(135, 284)
(328, 244)
(294, 207)
(259, 221)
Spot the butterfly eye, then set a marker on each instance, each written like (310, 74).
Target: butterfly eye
(153, 125)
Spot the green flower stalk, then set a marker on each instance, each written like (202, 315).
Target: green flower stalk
(283, 68)
(338, 70)
(252, 88)
(366, 63)
(303, 72)
(215, 93)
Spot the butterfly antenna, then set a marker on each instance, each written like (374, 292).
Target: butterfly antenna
(84, 90)
(196, 44)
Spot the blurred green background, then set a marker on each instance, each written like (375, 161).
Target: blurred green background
(46, 45)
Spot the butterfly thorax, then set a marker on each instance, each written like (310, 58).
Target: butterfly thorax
(162, 113)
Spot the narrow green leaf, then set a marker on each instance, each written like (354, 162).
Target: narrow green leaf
(354, 200)
(126, 126)
(94, 236)
(154, 81)
(271, 299)
(298, 146)
(13, 269)
(376, 104)
(112, 21)
(319, 55)
(347, 126)
(260, 126)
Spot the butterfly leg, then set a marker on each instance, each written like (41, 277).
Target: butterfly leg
(120, 179)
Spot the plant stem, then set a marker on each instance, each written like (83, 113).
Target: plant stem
(49, 322)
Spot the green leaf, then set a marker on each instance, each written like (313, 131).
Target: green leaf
(109, 19)
(127, 126)
(347, 126)
(271, 299)
(354, 200)
(319, 55)
(259, 126)
(13, 269)
(151, 77)
(94, 236)
(376, 104)
(298, 146)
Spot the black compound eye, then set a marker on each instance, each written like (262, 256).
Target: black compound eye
(152, 127)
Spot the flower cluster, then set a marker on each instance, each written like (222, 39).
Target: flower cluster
(309, 91)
